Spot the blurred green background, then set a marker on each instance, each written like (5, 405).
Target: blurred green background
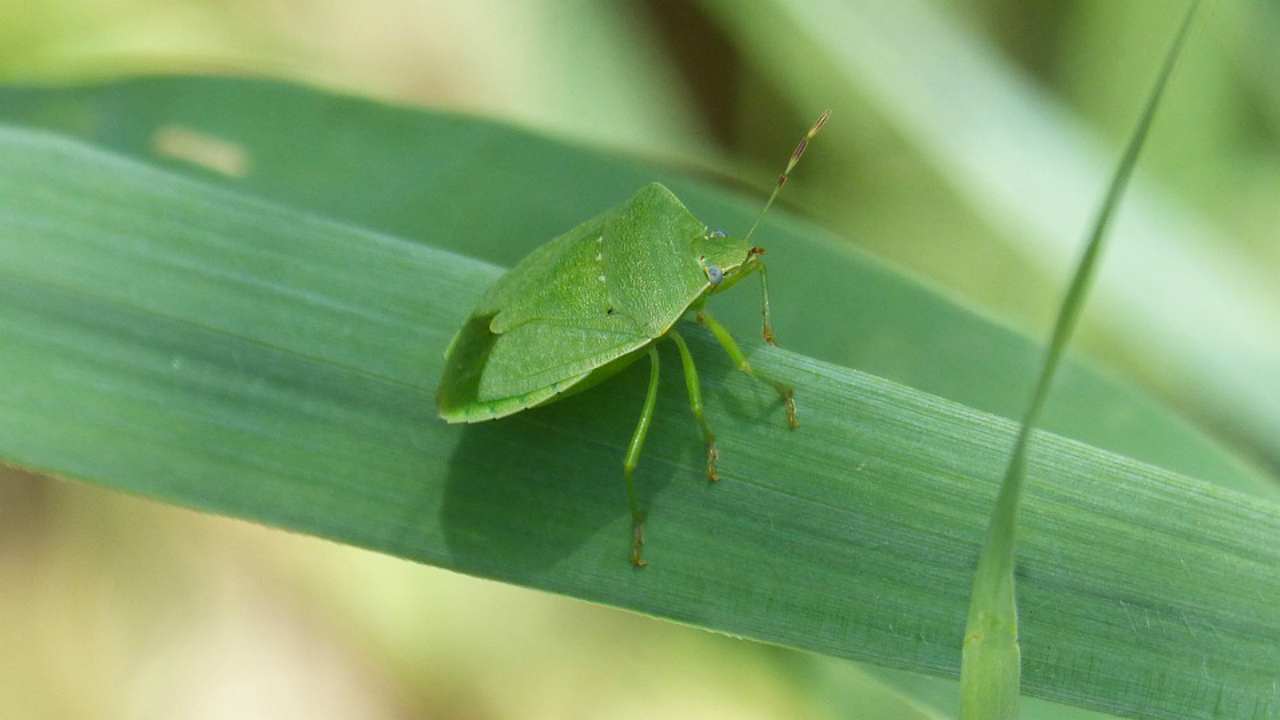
(969, 144)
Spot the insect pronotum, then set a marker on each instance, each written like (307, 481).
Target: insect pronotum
(587, 304)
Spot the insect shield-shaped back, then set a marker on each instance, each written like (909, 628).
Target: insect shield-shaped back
(580, 303)
(582, 307)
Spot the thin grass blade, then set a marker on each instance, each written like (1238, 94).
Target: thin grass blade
(991, 665)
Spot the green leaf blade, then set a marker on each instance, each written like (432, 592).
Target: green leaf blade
(283, 393)
(431, 176)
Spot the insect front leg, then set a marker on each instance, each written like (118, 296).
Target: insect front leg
(633, 457)
(756, 265)
(695, 402)
(764, 306)
(730, 346)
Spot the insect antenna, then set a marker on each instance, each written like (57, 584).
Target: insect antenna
(791, 164)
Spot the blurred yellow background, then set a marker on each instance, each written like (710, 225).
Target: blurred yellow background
(115, 607)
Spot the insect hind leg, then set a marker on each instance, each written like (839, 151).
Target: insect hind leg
(633, 458)
(695, 402)
(785, 391)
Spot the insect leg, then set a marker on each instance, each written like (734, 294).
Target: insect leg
(752, 266)
(764, 308)
(633, 457)
(730, 346)
(695, 402)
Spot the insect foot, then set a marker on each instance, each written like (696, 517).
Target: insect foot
(789, 401)
(713, 454)
(769, 337)
(637, 544)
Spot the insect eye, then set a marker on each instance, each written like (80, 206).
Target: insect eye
(715, 274)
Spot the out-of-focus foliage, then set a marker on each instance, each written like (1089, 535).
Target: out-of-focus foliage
(160, 589)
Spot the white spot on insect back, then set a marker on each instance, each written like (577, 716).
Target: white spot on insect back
(600, 278)
(599, 257)
(600, 239)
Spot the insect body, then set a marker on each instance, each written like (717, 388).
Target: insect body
(584, 306)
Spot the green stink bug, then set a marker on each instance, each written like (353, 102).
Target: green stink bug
(585, 305)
